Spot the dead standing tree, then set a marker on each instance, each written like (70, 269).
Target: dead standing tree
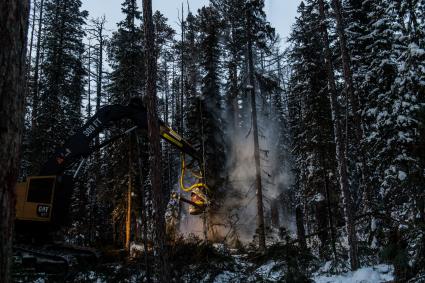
(259, 187)
(154, 144)
(36, 76)
(341, 156)
(97, 33)
(346, 66)
(13, 41)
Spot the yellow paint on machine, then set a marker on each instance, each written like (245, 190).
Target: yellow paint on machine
(175, 135)
(35, 207)
(171, 139)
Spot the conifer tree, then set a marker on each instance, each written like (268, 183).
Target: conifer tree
(205, 120)
(126, 56)
(340, 144)
(234, 42)
(397, 114)
(154, 145)
(311, 128)
(164, 38)
(126, 80)
(13, 41)
(62, 83)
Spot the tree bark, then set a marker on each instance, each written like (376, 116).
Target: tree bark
(154, 145)
(129, 190)
(346, 66)
(328, 204)
(35, 90)
(299, 219)
(89, 82)
(13, 41)
(97, 31)
(31, 40)
(340, 146)
(352, 97)
(259, 189)
(182, 70)
(100, 37)
(232, 99)
(143, 212)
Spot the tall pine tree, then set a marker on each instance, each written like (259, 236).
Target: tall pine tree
(63, 78)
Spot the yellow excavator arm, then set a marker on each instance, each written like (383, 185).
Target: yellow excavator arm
(45, 198)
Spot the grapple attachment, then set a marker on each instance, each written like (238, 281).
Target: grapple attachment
(199, 201)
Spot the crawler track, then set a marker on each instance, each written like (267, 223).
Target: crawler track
(54, 259)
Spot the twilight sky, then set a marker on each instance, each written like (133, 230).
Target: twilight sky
(281, 13)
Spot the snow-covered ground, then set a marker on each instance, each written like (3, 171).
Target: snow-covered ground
(238, 267)
(375, 274)
(247, 273)
(267, 273)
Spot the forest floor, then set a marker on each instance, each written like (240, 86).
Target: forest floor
(204, 263)
(373, 274)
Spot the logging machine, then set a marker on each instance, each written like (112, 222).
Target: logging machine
(43, 200)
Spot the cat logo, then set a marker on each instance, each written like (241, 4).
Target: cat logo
(43, 211)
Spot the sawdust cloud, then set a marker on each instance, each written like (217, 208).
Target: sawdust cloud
(235, 221)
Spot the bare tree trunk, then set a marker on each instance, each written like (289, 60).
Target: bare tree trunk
(129, 190)
(31, 40)
(341, 157)
(233, 93)
(182, 74)
(128, 216)
(173, 96)
(35, 98)
(13, 42)
(299, 219)
(346, 65)
(143, 212)
(100, 27)
(97, 32)
(329, 205)
(89, 81)
(349, 84)
(351, 94)
(92, 187)
(259, 189)
(154, 145)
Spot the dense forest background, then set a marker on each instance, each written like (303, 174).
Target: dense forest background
(336, 143)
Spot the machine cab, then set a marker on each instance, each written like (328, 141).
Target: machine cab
(35, 198)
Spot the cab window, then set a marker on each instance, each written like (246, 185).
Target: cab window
(40, 190)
